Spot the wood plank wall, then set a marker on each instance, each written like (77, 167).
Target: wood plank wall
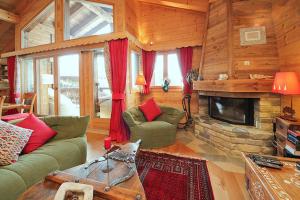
(131, 14)
(223, 52)
(168, 27)
(7, 40)
(216, 50)
(286, 16)
(263, 58)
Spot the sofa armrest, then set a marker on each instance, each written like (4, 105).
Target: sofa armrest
(67, 127)
(170, 115)
(130, 121)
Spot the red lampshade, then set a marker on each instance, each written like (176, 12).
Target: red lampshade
(286, 83)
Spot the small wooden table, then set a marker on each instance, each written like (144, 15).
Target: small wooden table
(129, 189)
(270, 184)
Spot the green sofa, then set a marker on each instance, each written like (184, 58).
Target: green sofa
(67, 149)
(158, 133)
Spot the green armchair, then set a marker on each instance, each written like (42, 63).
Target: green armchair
(158, 133)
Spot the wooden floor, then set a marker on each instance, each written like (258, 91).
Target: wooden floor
(226, 184)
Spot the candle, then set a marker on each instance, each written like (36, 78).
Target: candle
(107, 143)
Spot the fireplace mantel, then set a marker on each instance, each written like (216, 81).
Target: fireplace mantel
(235, 85)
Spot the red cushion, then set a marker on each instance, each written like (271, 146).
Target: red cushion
(150, 109)
(41, 133)
(7, 118)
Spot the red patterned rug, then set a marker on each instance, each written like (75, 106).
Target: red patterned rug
(168, 177)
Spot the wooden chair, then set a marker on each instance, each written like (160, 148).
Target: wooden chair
(2, 99)
(28, 100)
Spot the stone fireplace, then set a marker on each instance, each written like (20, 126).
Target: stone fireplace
(239, 134)
(232, 110)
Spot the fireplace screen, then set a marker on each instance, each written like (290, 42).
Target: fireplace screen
(232, 110)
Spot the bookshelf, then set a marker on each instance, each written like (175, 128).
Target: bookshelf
(282, 128)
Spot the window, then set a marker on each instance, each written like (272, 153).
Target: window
(86, 18)
(27, 75)
(41, 29)
(158, 74)
(167, 67)
(174, 73)
(135, 63)
(69, 92)
(102, 93)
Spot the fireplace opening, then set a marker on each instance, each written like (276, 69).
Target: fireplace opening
(232, 110)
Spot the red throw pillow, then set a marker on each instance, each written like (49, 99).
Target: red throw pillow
(41, 133)
(150, 109)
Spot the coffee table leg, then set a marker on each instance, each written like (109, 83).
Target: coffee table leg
(107, 188)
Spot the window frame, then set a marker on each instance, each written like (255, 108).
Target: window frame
(32, 20)
(132, 86)
(165, 69)
(66, 24)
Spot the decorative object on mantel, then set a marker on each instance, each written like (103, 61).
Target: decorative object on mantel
(166, 84)
(253, 36)
(71, 191)
(260, 76)
(192, 75)
(223, 77)
(287, 83)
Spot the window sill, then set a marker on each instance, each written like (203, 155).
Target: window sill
(171, 88)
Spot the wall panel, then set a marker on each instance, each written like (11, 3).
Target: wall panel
(165, 27)
(263, 58)
(286, 16)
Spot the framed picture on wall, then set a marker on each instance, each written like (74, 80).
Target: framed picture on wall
(253, 36)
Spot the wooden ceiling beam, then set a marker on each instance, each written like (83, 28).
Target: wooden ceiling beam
(201, 7)
(9, 16)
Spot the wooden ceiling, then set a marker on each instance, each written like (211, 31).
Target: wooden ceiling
(195, 5)
(9, 5)
(7, 31)
(19, 6)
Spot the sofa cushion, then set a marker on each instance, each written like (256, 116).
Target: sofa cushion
(33, 167)
(11, 186)
(154, 134)
(150, 109)
(41, 133)
(66, 153)
(67, 127)
(156, 125)
(12, 141)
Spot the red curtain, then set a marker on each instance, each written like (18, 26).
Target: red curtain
(185, 60)
(11, 67)
(148, 68)
(118, 61)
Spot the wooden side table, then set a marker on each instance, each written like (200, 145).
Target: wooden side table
(282, 127)
(273, 184)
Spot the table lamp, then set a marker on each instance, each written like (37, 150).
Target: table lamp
(287, 83)
(140, 81)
